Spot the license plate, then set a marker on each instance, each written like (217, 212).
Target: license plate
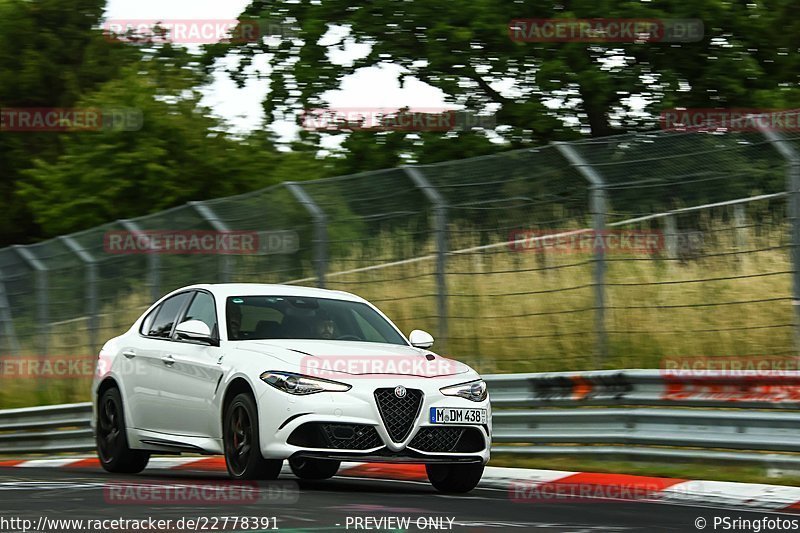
(457, 415)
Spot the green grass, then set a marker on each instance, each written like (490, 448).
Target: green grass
(682, 470)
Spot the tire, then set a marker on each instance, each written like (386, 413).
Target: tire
(111, 439)
(454, 478)
(314, 468)
(242, 444)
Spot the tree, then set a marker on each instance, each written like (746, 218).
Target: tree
(50, 55)
(559, 90)
(181, 153)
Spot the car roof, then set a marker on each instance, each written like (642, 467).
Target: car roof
(227, 290)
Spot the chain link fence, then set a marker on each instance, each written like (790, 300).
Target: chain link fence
(490, 254)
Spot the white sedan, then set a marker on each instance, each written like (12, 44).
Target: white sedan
(264, 373)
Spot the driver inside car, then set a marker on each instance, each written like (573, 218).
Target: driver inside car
(325, 327)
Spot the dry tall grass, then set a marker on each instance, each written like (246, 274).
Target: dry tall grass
(511, 312)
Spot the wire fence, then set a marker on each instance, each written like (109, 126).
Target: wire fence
(603, 253)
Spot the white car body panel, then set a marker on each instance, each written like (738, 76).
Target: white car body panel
(177, 406)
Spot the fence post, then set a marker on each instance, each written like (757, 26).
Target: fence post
(792, 156)
(153, 260)
(740, 221)
(597, 207)
(671, 236)
(42, 303)
(320, 238)
(440, 227)
(7, 319)
(91, 288)
(207, 214)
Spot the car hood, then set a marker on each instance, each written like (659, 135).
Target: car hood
(320, 357)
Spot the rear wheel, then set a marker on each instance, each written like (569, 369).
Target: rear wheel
(454, 478)
(306, 468)
(242, 445)
(112, 442)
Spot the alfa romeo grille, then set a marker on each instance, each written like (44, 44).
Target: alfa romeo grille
(398, 414)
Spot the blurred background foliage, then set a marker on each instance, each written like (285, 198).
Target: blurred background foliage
(54, 54)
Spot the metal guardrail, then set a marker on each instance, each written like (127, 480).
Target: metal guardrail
(625, 413)
(654, 414)
(51, 428)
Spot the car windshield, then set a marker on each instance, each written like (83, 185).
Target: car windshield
(295, 317)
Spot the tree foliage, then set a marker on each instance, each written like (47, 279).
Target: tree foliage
(542, 91)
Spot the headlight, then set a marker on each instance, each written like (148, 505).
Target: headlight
(474, 390)
(300, 385)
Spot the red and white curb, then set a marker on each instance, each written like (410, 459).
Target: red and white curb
(523, 485)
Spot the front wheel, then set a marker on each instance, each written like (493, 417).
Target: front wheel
(454, 478)
(242, 445)
(112, 442)
(314, 468)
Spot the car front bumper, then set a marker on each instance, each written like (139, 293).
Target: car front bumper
(319, 420)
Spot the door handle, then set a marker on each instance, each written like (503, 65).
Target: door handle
(168, 360)
(129, 354)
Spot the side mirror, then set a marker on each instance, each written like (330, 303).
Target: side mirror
(195, 330)
(420, 339)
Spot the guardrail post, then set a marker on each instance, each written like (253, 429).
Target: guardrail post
(153, 260)
(320, 238)
(208, 214)
(792, 156)
(7, 319)
(597, 208)
(42, 301)
(91, 288)
(440, 227)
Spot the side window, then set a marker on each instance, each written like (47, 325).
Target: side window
(148, 321)
(161, 325)
(202, 309)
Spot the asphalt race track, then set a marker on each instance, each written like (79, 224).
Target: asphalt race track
(332, 505)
